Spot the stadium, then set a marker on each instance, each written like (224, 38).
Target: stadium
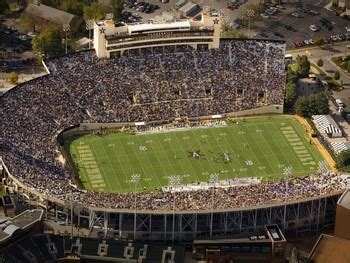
(166, 132)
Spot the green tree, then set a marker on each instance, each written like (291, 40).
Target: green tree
(73, 7)
(320, 62)
(96, 11)
(319, 41)
(29, 21)
(48, 43)
(336, 75)
(312, 105)
(302, 106)
(117, 6)
(343, 160)
(13, 77)
(3, 6)
(303, 66)
(290, 95)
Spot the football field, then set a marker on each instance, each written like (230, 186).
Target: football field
(257, 147)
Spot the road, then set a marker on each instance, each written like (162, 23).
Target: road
(314, 54)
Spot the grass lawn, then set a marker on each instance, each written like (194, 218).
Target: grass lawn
(257, 147)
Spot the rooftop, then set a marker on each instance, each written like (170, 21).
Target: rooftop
(20, 222)
(344, 200)
(50, 13)
(330, 247)
(145, 27)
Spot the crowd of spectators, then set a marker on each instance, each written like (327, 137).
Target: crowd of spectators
(147, 86)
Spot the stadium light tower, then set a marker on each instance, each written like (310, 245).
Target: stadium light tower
(174, 181)
(250, 13)
(135, 178)
(214, 178)
(287, 172)
(66, 28)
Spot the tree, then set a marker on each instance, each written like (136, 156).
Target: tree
(13, 77)
(73, 7)
(320, 62)
(319, 41)
(3, 6)
(336, 75)
(314, 104)
(290, 95)
(96, 11)
(303, 66)
(48, 43)
(28, 21)
(343, 160)
(117, 6)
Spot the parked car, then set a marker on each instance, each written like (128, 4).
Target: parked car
(314, 28)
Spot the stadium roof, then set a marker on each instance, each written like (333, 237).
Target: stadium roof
(344, 200)
(145, 27)
(22, 221)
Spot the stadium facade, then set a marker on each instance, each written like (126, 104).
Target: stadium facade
(110, 40)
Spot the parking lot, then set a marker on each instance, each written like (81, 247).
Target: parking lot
(275, 27)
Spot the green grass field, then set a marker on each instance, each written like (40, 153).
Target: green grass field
(258, 147)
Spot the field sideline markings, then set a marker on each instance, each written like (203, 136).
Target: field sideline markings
(314, 157)
(301, 166)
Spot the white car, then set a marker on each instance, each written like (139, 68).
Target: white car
(311, 41)
(314, 28)
(263, 15)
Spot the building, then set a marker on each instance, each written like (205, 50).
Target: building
(189, 9)
(266, 246)
(335, 248)
(342, 226)
(330, 249)
(111, 40)
(17, 226)
(344, 4)
(53, 15)
(308, 86)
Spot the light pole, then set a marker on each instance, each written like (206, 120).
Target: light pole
(174, 181)
(287, 172)
(66, 28)
(214, 178)
(89, 27)
(135, 178)
(250, 13)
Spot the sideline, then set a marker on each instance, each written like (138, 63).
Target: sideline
(319, 146)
